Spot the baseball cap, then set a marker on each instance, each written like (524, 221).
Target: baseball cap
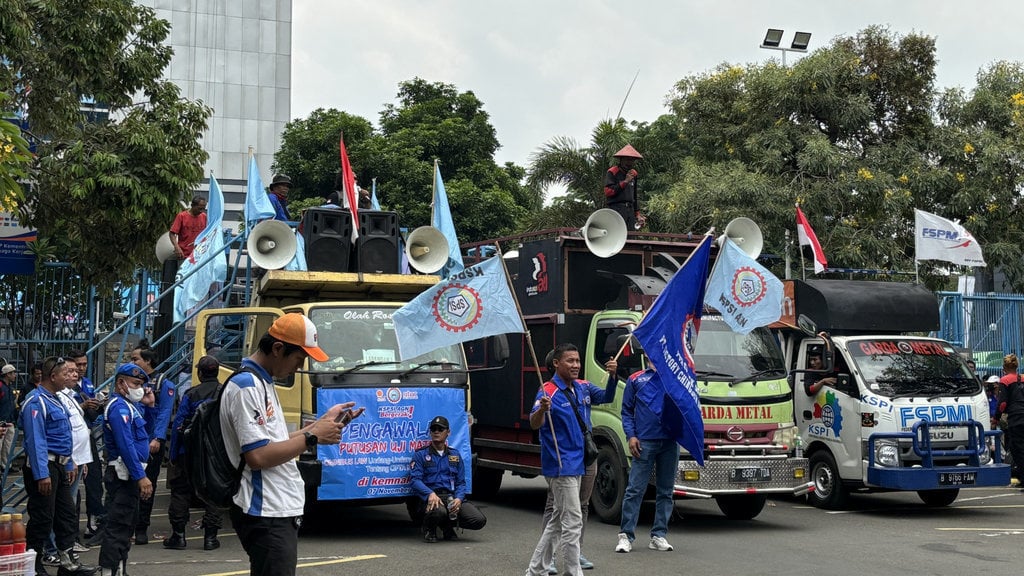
(7, 369)
(132, 371)
(991, 379)
(439, 421)
(296, 329)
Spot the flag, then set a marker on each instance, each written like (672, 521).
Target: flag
(195, 288)
(348, 180)
(809, 238)
(475, 303)
(373, 195)
(745, 293)
(668, 334)
(257, 204)
(936, 238)
(441, 218)
(298, 262)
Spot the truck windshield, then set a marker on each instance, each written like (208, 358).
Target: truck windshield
(365, 337)
(904, 368)
(722, 354)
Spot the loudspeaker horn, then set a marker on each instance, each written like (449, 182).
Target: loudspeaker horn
(604, 233)
(271, 244)
(164, 248)
(427, 249)
(746, 234)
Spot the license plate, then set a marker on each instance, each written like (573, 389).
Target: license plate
(957, 478)
(750, 474)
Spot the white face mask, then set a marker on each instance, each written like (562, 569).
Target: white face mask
(136, 394)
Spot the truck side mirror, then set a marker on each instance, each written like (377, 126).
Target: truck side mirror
(806, 325)
(499, 348)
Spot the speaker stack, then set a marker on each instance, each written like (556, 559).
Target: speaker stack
(328, 235)
(377, 246)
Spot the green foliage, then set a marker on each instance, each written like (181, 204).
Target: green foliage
(309, 152)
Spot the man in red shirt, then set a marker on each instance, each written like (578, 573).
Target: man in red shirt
(187, 226)
(620, 188)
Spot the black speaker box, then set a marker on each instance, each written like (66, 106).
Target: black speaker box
(328, 236)
(377, 246)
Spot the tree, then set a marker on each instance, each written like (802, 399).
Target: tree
(309, 151)
(98, 180)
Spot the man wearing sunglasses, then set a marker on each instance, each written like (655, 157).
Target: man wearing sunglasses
(438, 477)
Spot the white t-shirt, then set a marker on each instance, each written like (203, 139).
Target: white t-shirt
(81, 452)
(251, 417)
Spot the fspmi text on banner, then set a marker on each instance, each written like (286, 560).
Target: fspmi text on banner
(936, 238)
(745, 293)
(474, 303)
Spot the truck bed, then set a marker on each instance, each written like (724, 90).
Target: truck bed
(283, 287)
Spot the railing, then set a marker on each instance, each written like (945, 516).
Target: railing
(990, 325)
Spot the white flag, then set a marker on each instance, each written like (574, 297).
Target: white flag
(936, 238)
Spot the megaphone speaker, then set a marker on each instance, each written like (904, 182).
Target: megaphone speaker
(328, 236)
(746, 234)
(164, 248)
(427, 249)
(271, 244)
(604, 233)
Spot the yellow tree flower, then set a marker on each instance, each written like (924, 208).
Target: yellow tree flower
(960, 177)
(968, 149)
(903, 179)
(865, 174)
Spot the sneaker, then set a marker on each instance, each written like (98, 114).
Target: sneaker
(586, 564)
(51, 560)
(79, 548)
(552, 569)
(429, 536)
(624, 544)
(141, 538)
(659, 543)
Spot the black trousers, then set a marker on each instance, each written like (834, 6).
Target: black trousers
(181, 500)
(153, 473)
(470, 517)
(1015, 436)
(628, 213)
(271, 543)
(94, 481)
(122, 515)
(55, 511)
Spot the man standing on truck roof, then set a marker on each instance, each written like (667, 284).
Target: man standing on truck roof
(267, 510)
(651, 447)
(565, 401)
(620, 188)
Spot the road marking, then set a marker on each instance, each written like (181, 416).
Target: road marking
(310, 564)
(1009, 530)
(985, 497)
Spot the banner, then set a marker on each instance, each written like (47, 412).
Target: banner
(668, 334)
(15, 257)
(372, 459)
(196, 287)
(474, 303)
(747, 294)
(809, 238)
(441, 218)
(936, 238)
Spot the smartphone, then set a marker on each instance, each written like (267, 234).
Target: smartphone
(345, 417)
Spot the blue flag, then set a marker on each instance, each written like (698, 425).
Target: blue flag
(373, 196)
(298, 262)
(668, 334)
(441, 218)
(257, 203)
(196, 287)
(474, 303)
(744, 292)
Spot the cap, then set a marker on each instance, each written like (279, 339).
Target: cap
(132, 371)
(207, 365)
(281, 179)
(991, 379)
(439, 421)
(296, 329)
(8, 368)
(628, 152)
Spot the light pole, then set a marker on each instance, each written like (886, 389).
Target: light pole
(773, 41)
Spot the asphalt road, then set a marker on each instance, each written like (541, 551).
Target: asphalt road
(883, 534)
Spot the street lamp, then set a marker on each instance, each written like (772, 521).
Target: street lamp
(773, 41)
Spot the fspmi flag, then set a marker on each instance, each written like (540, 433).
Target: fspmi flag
(744, 292)
(936, 238)
(472, 304)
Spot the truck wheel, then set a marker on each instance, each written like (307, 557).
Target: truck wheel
(609, 485)
(938, 498)
(829, 492)
(741, 506)
(486, 482)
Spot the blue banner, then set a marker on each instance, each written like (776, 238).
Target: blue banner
(15, 257)
(668, 334)
(196, 287)
(372, 459)
(747, 294)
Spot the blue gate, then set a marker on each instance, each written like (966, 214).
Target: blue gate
(990, 325)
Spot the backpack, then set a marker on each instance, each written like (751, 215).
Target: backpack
(207, 464)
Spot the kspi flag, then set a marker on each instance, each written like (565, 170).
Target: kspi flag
(745, 293)
(936, 238)
(209, 268)
(472, 304)
(809, 238)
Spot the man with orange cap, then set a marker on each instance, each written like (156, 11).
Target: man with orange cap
(620, 188)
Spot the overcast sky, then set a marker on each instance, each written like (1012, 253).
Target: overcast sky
(546, 68)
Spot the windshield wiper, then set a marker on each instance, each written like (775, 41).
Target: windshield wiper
(425, 364)
(753, 378)
(362, 365)
(704, 374)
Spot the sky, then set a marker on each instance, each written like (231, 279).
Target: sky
(558, 67)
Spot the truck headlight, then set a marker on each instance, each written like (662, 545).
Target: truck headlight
(887, 453)
(985, 454)
(785, 436)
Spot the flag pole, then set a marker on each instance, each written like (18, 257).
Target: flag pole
(529, 341)
(433, 207)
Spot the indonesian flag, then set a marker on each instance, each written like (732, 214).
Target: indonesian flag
(348, 179)
(809, 238)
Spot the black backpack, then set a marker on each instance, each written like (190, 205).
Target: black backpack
(212, 475)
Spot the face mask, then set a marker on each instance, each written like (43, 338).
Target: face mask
(136, 394)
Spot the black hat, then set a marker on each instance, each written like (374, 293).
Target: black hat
(439, 421)
(281, 179)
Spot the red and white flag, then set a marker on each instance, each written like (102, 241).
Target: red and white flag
(808, 238)
(348, 179)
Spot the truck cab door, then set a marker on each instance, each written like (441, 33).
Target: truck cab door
(832, 415)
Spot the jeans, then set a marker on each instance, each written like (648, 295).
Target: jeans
(565, 526)
(663, 457)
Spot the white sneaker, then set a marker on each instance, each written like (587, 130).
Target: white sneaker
(659, 543)
(624, 544)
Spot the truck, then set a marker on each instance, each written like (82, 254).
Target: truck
(901, 411)
(352, 313)
(569, 294)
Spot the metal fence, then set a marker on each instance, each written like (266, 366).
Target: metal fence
(989, 325)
